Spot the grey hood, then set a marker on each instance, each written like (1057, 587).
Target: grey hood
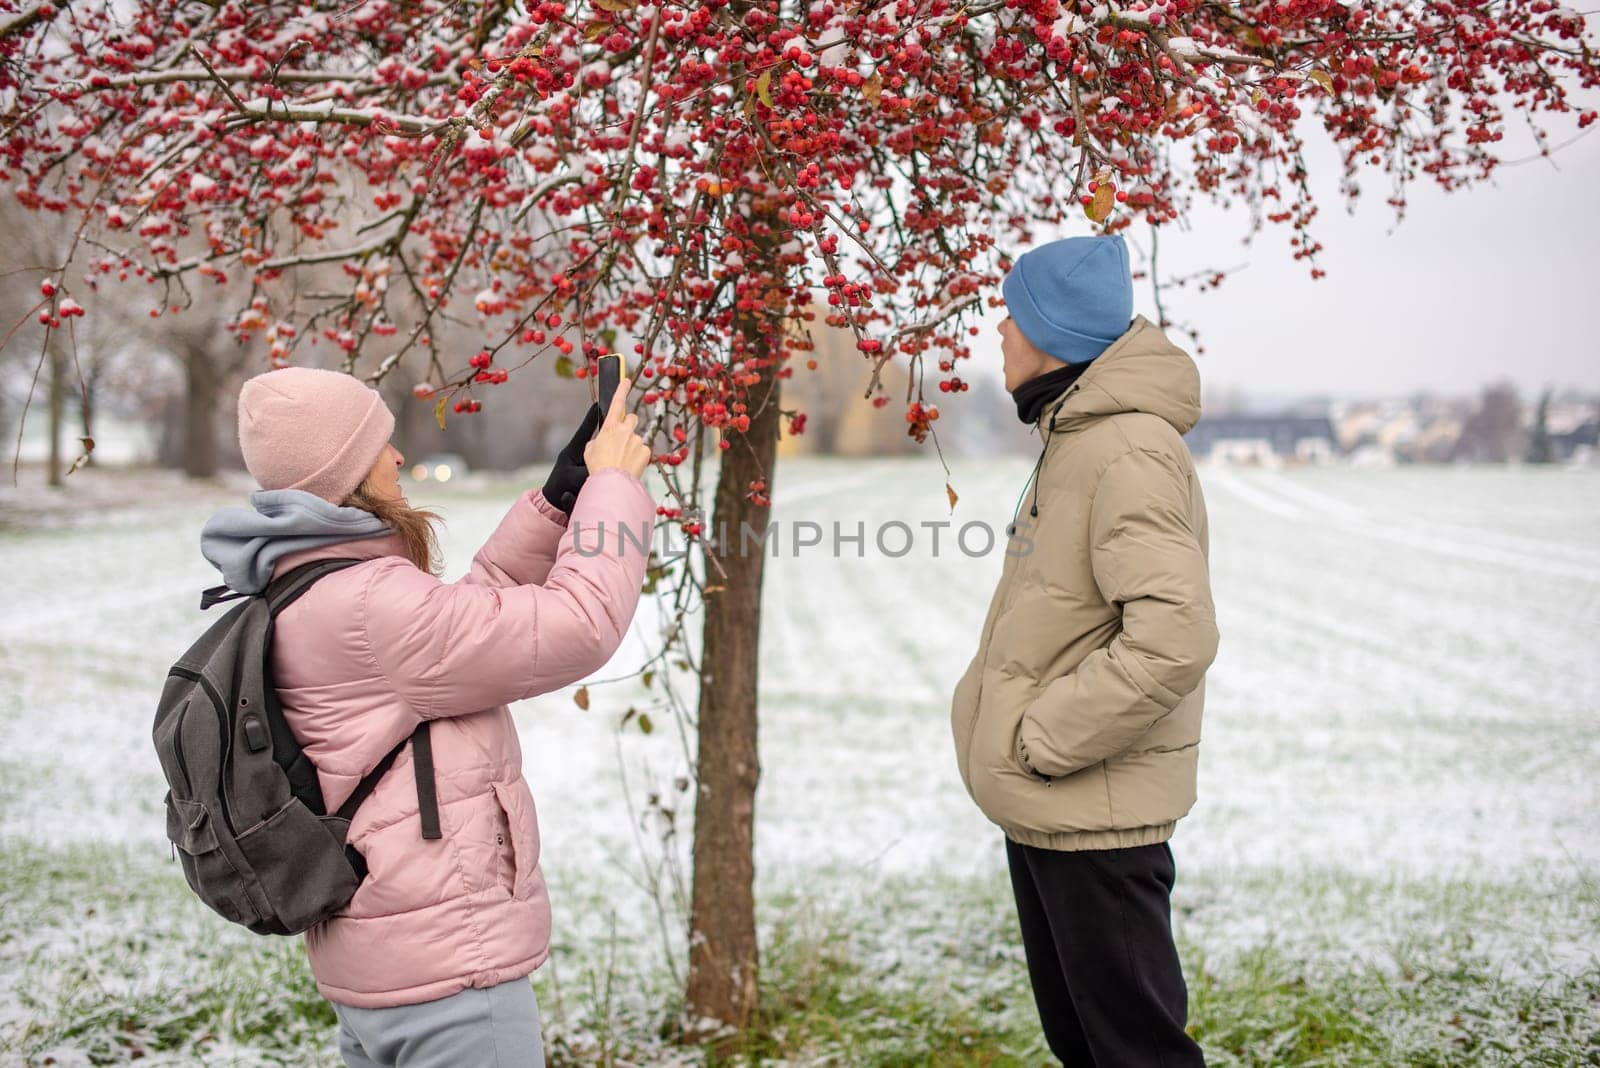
(244, 544)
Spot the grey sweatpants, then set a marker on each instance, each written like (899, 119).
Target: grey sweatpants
(493, 1028)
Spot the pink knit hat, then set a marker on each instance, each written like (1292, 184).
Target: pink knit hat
(318, 431)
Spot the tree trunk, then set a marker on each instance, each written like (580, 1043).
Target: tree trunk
(1539, 447)
(200, 406)
(58, 401)
(723, 957)
(86, 414)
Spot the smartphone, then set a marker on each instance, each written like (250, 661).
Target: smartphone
(610, 375)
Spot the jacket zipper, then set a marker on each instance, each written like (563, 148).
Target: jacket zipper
(227, 741)
(988, 632)
(1038, 465)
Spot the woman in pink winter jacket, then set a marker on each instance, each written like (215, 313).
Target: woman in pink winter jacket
(428, 964)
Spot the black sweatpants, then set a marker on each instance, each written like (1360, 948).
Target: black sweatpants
(1097, 930)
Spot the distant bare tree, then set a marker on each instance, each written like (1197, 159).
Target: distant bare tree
(1539, 446)
(34, 247)
(1494, 433)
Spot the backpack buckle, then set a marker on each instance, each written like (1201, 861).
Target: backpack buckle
(215, 595)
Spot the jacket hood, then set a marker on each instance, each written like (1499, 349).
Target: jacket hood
(1142, 371)
(245, 543)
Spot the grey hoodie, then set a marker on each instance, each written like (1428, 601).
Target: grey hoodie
(244, 545)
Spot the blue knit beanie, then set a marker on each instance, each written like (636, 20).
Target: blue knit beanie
(1072, 298)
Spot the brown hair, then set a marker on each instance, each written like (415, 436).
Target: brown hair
(414, 525)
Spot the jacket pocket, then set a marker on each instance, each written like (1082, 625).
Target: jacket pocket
(505, 848)
(510, 865)
(1019, 754)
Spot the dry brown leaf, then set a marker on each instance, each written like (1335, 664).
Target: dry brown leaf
(872, 88)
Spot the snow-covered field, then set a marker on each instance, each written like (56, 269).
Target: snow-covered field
(1397, 778)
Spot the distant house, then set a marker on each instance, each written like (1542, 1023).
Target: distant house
(1264, 439)
(1578, 443)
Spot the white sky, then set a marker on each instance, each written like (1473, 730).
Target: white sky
(1498, 281)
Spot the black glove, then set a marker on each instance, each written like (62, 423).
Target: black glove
(570, 472)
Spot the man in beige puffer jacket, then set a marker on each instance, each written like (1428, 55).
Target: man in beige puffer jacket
(1077, 725)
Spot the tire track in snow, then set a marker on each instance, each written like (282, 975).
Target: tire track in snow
(1355, 520)
(1289, 618)
(1513, 543)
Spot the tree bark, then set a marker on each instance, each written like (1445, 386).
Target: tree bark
(58, 400)
(723, 954)
(86, 411)
(201, 384)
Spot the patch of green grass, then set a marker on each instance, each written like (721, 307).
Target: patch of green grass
(1268, 1009)
(832, 994)
(109, 957)
(113, 959)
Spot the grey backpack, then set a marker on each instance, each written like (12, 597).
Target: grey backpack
(244, 810)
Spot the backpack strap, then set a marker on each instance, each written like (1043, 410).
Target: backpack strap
(362, 791)
(212, 596)
(427, 795)
(283, 592)
(364, 788)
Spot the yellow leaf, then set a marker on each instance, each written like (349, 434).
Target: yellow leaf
(581, 698)
(872, 88)
(563, 366)
(438, 411)
(616, 6)
(950, 491)
(1104, 198)
(764, 87)
(644, 723)
(1322, 78)
(596, 30)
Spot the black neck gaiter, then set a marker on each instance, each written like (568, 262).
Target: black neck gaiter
(1035, 393)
